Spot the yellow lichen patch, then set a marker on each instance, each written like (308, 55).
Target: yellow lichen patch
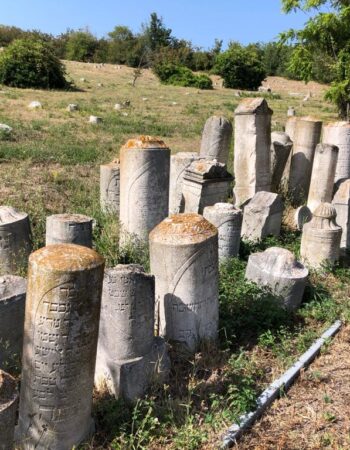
(144, 142)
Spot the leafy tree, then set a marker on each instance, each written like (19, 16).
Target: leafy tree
(81, 46)
(121, 44)
(157, 34)
(178, 75)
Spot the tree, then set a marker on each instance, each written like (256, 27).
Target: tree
(157, 34)
(81, 46)
(121, 44)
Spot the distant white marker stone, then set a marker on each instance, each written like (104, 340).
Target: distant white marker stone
(95, 119)
(72, 107)
(34, 105)
(5, 128)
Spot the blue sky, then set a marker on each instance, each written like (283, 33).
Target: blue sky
(200, 21)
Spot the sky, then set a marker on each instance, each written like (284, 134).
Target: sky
(200, 21)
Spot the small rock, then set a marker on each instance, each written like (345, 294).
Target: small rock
(72, 107)
(99, 84)
(95, 119)
(83, 80)
(127, 103)
(118, 106)
(5, 128)
(125, 114)
(34, 105)
(144, 99)
(174, 103)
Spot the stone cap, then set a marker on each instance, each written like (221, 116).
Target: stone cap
(281, 138)
(342, 196)
(70, 218)
(223, 209)
(8, 390)
(145, 142)
(65, 258)
(208, 169)
(326, 211)
(8, 214)
(11, 286)
(254, 105)
(183, 229)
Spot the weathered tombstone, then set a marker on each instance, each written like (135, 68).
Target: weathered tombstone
(320, 242)
(302, 215)
(8, 409)
(338, 133)
(291, 111)
(110, 187)
(60, 340)
(5, 130)
(290, 127)
(205, 183)
(35, 105)
(216, 139)
(341, 203)
(281, 147)
(12, 305)
(72, 107)
(252, 149)
(228, 220)
(184, 260)
(178, 164)
(95, 119)
(128, 354)
(144, 186)
(322, 177)
(278, 269)
(15, 239)
(307, 136)
(69, 229)
(262, 216)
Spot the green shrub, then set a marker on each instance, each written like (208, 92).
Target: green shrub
(31, 64)
(178, 75)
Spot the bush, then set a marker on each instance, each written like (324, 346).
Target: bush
(31, 64)
(177, 75)
(240, 67)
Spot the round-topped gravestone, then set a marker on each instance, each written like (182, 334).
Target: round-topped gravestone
(216, 139)
(59, 350)
(110, 187)
(8, 409)
(338, 133)
(69, 229)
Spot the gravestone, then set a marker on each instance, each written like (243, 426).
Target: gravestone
(110, 187)
(322, 178)
(95, 119)
(290, 127)
(205, 183)
(252, 149)
(302, 215)
(320, 241)
(35, 105)
(291, 111)
(216, 139)
(281, 147)
(72, 107)
(15, 240)
(262, 216)
(228, 220)
(128, 354)
(341, 203)
(278, 269)
(338, 133)
(178, 165)
(144, 186)
(8, 409)
(12, 305)
(69, 229)
(184, 260)
(59, 351)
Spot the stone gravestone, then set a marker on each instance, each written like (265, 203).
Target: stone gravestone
(262, 216)
(281, 147)
(228, 220)
(341, 203)
(216, 139)
(110, 187)
(15, 239)
(322, 178)
(205, 183)
(12, 305)
(290, 127)
(252, 149)
(178, 165)
(128, 354)
(184, 260)
(59, 351)
(8, 410)
(338, 133)
(320, 241)
(144, 186)
(307, 136)
(278, 269)
(69, 229)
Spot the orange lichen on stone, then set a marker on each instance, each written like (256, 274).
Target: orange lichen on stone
(144, 142)
(65, 258)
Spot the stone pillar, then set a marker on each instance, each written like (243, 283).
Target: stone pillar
(128, 354)
(290, 127)
(252, 149)
(12, 304)
(281, 146)
(341, 203)
(8, 410)
(205, 183)
(69, 229)
(59, 350)
(338, 133)
(291, 111)
(322, 177)
(184, 260)
(307, 136)
(320, 241)
(262, 216)
(110, 187)
(178, 165)
(15, 240)
(144, 186)
(228, 220)
(216, 139)
(278, 269)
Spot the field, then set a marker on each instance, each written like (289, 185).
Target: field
(51, 165)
